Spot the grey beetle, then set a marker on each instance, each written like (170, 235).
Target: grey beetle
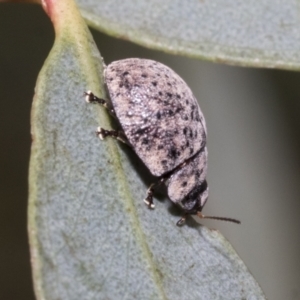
(163, 123)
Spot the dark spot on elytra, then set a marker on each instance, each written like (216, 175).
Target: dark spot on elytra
(169, 133)
(178, 96)
(187, 144)
(164, 162)
(144, 75)
(140, 131)
(154, 83)
(185, 130)
(172, 153)
(121, 85)
(191, 133)
(125, 73)
(156, 134)
(111, 79)
(158, 115)
(169, 84)
(187, 102)
(184, 184)
(145, 141)
(160, 93)
(118, 94)
(196, 134)
(137, 85)
(169, 94)
(191, 151)
(185, 117)
(159, 147)
(171, 112)
(192, 115)
(198, 173)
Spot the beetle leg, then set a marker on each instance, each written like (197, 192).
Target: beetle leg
(91, 98)
(181, 221)
(117, 134)
(149, 198)
(103, 133)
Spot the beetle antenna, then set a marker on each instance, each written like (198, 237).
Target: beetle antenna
(200, 215)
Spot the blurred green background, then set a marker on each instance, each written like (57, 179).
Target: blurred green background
(253, 120)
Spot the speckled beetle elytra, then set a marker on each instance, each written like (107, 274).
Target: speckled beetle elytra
(163, 123)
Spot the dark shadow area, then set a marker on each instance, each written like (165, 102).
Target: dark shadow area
(26, 36)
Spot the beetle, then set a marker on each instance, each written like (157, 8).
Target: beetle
(163, 123)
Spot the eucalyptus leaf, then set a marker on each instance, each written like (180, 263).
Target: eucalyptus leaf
(91, 236)
(247, 33)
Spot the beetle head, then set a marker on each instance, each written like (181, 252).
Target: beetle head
(196, 199)
(194, 202)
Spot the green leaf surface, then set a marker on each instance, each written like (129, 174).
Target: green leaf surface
(91, 236)
(247, 33)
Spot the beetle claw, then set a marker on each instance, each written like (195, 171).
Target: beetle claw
(149, 202)
(181, 221)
